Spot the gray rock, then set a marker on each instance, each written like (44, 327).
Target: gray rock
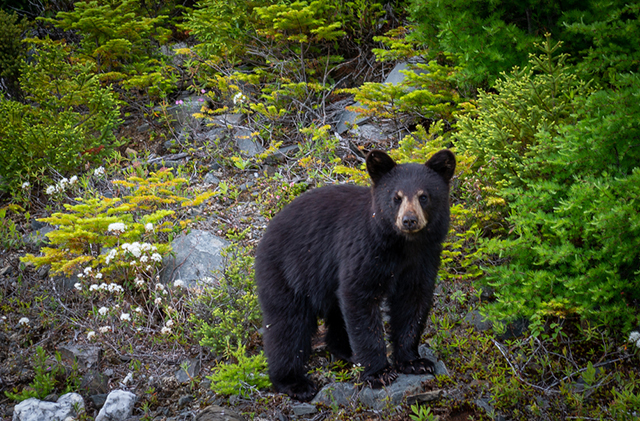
(218, 413)
(247, 142)
(371, 132)
(197, 258)
(38, 238)
(36, 410)
(117, 407)
(99, 400)
(423, 397)
(345, 393)
(228, 120)
(475, 319)
(210, 178)
(439, 368)
(94, 383)
(192, 370)
(184, 400)
(303, 409)
(515, 329)
(405, 384)
(87, 356)
(336, 394)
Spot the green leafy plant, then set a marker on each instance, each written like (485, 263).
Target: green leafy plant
(59, 132)
(422, 413)
(44, 381)
(228, 312)
(245, 375)
(12, 51)
(90, 234)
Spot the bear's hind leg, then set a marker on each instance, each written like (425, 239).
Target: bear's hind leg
(337, 338)
(287, 343)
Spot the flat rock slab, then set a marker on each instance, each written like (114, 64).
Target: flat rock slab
(346, 393)
(36, 410)
(218, 413)
(197, 258)
(87, 356)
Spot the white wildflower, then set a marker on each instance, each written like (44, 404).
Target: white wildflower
(157, 300)
(25, 185)
(139, 282)
(165, 330)
(87, 270)
(148, 268)
(145, 246)
(634, 337)
(111, 255)
(169, 323)
(125, 316)
(91, 334)
(115, 288)
(105, 329)
(178, 283)
(80, 275)
(94, 287)
(23, 321)
(156, 257)
(143, 259)
(239, 98)
(160, 287)
(103, 286)
(118, 228)
(103, 310)
(73, 180)
(98, 171)
(78, 286)
(50, 190)
(99, 275)
(138, 309)
(62, 184)
(148, 227)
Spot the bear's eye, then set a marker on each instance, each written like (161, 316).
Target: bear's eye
(397, 199)
(424, 199)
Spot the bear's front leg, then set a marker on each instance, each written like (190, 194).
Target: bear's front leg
(366, 335)
(409, 308)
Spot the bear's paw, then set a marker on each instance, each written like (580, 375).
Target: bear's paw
(418, 366)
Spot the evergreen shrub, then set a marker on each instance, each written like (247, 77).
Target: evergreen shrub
(66, 123)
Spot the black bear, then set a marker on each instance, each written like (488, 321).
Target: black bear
(335, 252)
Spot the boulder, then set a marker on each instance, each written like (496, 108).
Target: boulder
(36, 410)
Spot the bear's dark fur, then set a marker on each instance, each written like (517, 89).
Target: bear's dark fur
(336, 252)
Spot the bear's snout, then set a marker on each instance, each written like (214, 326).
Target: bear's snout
(410, 217)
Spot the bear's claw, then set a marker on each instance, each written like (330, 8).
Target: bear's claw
(383, 378)
(418, 366)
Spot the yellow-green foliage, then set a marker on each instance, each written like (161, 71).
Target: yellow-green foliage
(244, 376)
(229, 312)
(83, 232)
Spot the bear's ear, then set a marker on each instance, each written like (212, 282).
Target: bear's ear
(378, 164)
(444, 163)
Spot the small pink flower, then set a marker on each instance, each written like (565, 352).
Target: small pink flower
(200, 100)
(179, 102)
(203, 91)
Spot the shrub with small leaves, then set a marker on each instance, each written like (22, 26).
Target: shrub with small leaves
(246, 375)
(229, 312)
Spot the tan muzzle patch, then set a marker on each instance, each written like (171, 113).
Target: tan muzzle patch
(410, 217)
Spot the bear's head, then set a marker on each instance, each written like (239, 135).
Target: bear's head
(412, 196)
